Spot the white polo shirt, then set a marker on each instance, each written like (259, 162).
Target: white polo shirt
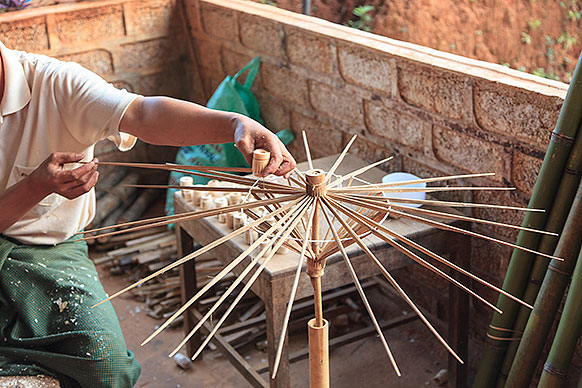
(53, 106)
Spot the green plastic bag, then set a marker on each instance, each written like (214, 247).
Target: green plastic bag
(231, 96)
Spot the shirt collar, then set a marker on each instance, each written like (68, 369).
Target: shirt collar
(16, 89)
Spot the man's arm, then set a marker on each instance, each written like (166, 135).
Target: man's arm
(167, 121)
(50, 177)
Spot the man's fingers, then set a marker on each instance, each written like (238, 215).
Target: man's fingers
(83, 187)
(65, 157)
(274, 162)
(67, 176)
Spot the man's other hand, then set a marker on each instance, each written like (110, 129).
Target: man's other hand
(52, 177)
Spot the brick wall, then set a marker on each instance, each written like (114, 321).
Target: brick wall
(140, 46)
(437, 113)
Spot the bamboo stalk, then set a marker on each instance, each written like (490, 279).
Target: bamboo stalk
(548, 299)
(416, 258)
(542, 198)
(373, 224)
(199, 252)
(284, 234)
(362, 293)
(407, 299)
(562, 350)
(556, 220)
(451, 228)
(293, 292)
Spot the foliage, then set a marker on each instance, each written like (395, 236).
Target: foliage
(269, 2)
(363, 17)
(525, 38)
(541, 72)
(13, 5)
(533, 24)
(567, 39)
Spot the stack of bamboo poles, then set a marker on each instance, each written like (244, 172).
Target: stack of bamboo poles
(515, 340)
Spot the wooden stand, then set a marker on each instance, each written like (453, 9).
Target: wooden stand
(318, 328)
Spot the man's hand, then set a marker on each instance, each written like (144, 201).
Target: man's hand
(51, 176)
(250, 135)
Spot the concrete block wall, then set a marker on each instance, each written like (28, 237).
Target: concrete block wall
(140, 46)
(437, 113)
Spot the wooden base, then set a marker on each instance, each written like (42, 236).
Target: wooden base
(318, 354)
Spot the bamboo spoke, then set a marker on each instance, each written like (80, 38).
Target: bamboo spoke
(339, 159)
(428, 252)
(288, 190)
(307, 151)
(362, 294)
(362, 170)
(283, 234)
(199, 252)
(169, 166)
(427, 180)
(195, 215)
(442, 226)
(220, 275)
(394, 284)
(293, 292)
(446, 203)
(380, 189)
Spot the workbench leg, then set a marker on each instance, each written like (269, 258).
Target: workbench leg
(275, 305)
(188, 287)
(459, 315)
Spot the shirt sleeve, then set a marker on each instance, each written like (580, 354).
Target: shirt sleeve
(91, 108)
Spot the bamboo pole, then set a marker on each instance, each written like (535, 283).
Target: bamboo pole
(542, 197)
(556, 220)
(556, 367)
(548, 299)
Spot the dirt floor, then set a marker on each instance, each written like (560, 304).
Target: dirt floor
(537, 36)
(359, 364)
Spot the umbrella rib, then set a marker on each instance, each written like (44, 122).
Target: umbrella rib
(360, 171)
(339, 159)
(307, 151)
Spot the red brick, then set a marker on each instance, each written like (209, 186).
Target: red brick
(90, 25)
(441, 92)
(275, 115)
(193, 15)
(284, 84)
(262, 34)
(337, 103)
(490, 258)
(98, 61)
(368, 68)
(527, 116)
(323, 139)
(311, 51)
(219, 22)
(525, 171)
(513, 217)
(149, 54)
(397, 126)
(208, 54)
(169, 82)
(26, 35)
(153, 16)
(470, 153)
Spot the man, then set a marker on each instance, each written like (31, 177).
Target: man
(51, 115)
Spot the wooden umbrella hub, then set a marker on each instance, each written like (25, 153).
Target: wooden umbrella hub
(315, 183)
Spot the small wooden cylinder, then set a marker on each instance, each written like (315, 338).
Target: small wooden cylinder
(216, 183)
(230, 220)
(218, 203)
(238, 220)
(260, 160)
(315, 182)
(318, 354)
(234, 198)
(196, 195)
(250, 236)
(206, 202)
(187, 181)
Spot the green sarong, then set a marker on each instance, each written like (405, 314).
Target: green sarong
(47, 325)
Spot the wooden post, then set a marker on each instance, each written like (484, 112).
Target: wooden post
(318, 328)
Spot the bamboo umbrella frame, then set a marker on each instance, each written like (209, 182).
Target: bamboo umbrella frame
(298, 211)
(548, 299)
(500, 329)
(556, 367)
(556, 220)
